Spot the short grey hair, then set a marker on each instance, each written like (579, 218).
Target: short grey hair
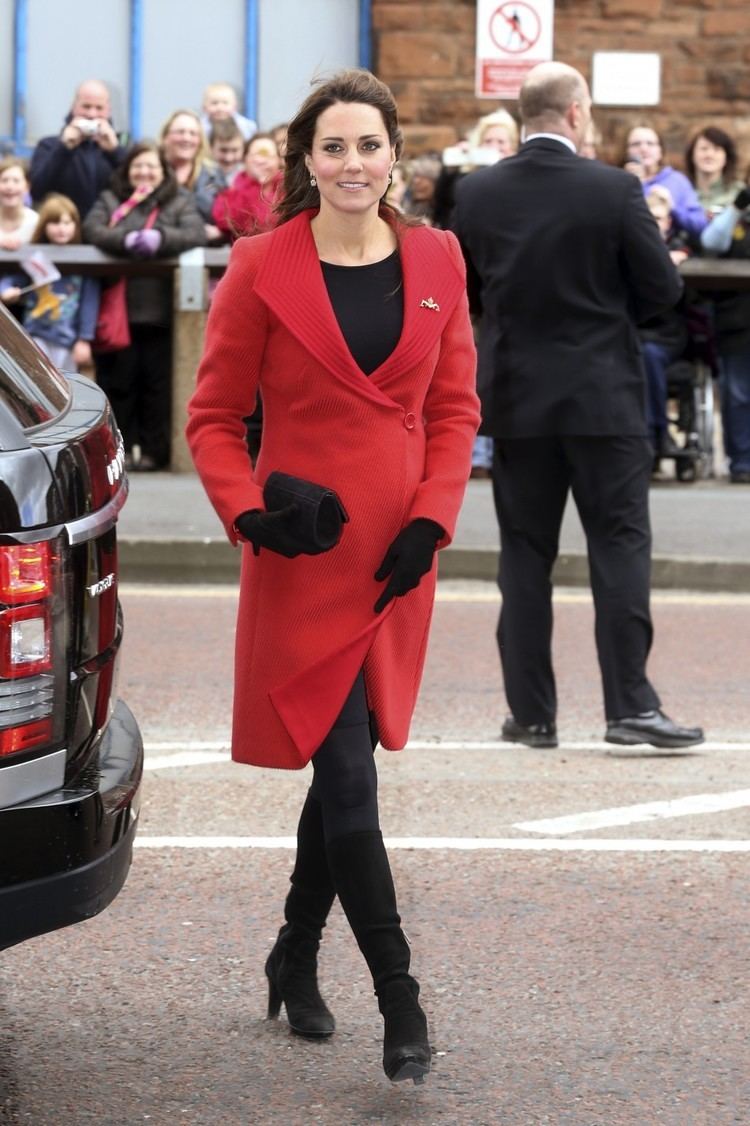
(549, 91)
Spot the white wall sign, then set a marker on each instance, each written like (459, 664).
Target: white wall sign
(512, 37)
(626, 78)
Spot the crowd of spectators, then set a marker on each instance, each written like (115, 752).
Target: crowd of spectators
(208, 177)
(211, 176)
(704, 209)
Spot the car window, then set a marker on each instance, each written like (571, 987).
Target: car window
(30, 386)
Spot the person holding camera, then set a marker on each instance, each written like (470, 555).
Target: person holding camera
(79, 161)
(643, 157)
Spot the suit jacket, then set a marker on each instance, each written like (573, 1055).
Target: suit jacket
(564, 258)
(395, 446)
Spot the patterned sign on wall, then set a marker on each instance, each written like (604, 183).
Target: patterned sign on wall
(512, 37)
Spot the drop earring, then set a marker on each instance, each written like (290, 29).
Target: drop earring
(313, 182)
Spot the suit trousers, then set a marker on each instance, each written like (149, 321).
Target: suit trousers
(609, 479)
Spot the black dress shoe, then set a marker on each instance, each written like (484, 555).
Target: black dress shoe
(652, 727)
(535, 735)
(741, 477)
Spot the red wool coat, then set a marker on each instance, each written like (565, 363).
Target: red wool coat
(395, 445)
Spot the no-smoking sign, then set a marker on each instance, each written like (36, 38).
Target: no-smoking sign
(512, 37)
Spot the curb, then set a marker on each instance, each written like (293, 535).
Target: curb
(151, 560)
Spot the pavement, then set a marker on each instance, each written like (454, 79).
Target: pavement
(168, 532)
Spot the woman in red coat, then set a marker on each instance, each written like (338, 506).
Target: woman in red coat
(353, 324)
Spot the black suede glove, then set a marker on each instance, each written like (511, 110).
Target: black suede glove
(742, 199)
(272, 530)
(407, 559)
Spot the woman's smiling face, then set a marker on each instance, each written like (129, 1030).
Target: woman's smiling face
(351, 157)
(182, 139)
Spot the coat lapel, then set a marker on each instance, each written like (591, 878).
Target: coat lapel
(432, 287)
(290, 282)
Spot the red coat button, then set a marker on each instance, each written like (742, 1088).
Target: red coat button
(410, 421)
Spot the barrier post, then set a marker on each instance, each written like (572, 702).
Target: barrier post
(190, 304)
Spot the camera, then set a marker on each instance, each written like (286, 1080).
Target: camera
(459, 156)
(87, 125)
(454, 156)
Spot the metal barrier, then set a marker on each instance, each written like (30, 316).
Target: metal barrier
(190, 286)
(190, 272)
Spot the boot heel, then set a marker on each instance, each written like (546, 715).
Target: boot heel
(274, 1001)
(411, 1065)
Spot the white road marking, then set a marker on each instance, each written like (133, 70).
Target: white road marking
(186, 758)
(632, 814)
(178, 753)
(448, 590)
(461, 844)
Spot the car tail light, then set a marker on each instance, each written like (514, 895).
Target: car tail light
(24, 641)
(25, 737)
(26, 720)
(24, 572)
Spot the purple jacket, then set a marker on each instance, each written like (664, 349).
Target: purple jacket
(687, 210)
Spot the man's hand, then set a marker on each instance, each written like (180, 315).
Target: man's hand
(10, 295)
(71, 136)
(635, 168)
(105, 137)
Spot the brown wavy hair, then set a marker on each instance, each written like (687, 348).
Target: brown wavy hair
(349, 86)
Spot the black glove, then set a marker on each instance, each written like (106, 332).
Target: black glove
(742, 199)
(273, 530)
(407, 559)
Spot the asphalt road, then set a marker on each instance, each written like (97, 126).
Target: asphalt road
(578, 917)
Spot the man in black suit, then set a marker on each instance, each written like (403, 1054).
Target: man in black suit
(563, 259)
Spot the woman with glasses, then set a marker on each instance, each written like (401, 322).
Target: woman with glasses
(643, 156)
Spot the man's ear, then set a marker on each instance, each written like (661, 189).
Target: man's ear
(574, 115)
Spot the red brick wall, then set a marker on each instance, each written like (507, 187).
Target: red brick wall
(424, 49)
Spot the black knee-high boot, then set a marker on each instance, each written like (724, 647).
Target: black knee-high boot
(362, 877)
(291, 967)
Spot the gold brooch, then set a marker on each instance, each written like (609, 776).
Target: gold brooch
(429, 303)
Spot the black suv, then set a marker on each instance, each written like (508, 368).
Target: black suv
(71, 754)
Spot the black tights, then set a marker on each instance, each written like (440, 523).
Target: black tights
(345, 780)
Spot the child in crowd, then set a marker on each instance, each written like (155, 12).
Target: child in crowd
(664, 337)
(247, 207)
(17, 221)
(227, 148)
(59, 316)
(220, 104)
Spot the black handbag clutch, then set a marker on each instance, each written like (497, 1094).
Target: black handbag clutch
(320, 516)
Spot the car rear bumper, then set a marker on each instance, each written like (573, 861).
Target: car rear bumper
(88, 831)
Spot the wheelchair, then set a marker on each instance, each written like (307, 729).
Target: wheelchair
(690, 397)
